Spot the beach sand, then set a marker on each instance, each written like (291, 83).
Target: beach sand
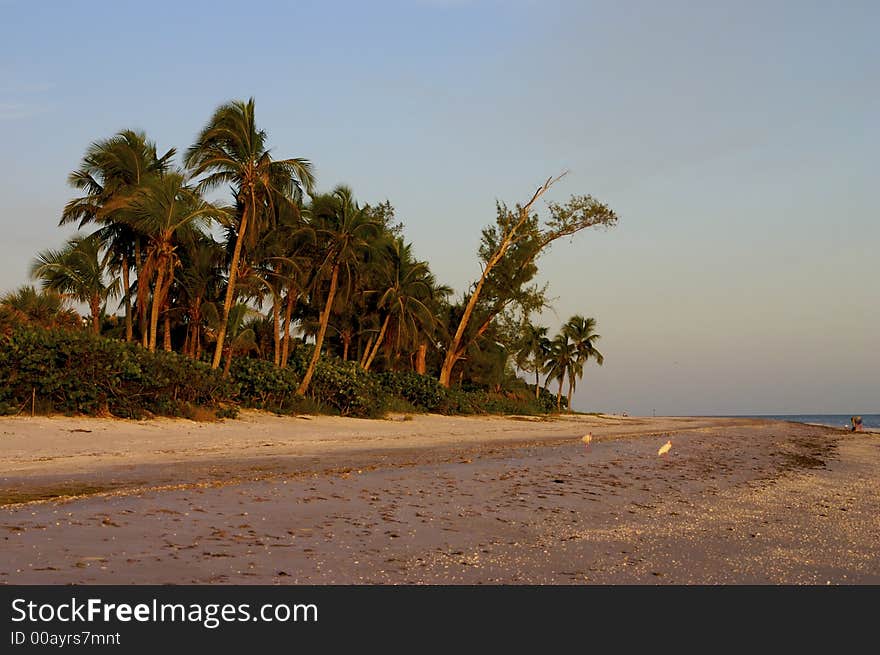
(438, 500)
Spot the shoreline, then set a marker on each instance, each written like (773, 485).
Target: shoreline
(52, 457)
(487, 501)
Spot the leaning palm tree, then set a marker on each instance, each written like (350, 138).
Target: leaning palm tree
(232, 150)
(346, 230)
(109, 176)
(79, 272)
(165, 211)
(582, 333)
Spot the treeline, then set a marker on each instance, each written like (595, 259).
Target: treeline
(286, 282)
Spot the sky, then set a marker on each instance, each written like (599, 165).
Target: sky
(737, 141)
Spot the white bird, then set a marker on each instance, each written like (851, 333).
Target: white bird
(665, 448)
(587, 438)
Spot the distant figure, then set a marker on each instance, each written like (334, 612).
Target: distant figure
(665, 448)
(587, 439)
(856, 423)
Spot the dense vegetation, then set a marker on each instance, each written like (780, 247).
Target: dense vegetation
(283, 298)
(74, 372)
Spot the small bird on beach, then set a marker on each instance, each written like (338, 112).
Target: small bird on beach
(665, 448)
(587, 438)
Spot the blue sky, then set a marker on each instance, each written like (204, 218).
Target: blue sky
(737, 141)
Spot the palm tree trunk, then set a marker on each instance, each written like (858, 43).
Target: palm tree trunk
(346, 343)
(288, 312)
(194, 331)
(142, 311)
(95, 308)
(559, 397)
(319, 340)
(129, 330)
(198, 346)
(570, 389)
(166, 337)
(422, 359)
(366, 352)
(276, 318)
(230, 289)
(379, 341)
(537, 387)
(187, 340)
(154, 312)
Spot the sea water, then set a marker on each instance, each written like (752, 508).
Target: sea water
(869, 421)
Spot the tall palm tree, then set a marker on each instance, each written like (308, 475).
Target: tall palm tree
(109, 176)
(78, 271)
(272, 269)
(405, 299)
(346, 230)
(560, 360)
(197, 280)
(165, 210)
(582, 333)
(532, 351)
(232, 150)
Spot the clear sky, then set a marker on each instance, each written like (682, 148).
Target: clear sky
(738, 141)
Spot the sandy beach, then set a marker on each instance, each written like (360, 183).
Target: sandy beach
(433, 499)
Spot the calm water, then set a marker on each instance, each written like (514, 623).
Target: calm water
(869, 421)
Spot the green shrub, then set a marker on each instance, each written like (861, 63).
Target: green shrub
(422, 392)
(457, 401)
(337, 387)
(263, 385)
(348, 389)
(76, 372)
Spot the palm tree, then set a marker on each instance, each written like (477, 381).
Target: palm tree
(346, 230)
(198, 282)
(405, 300)
(232, 150)
(582, 333)
(110, 175)
(163, 211)
(27, 306)
(273, 269)
(532, 351)
(78, 271)
(242, 337)
(438, 331)
(561, 359)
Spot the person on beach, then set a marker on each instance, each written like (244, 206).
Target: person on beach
(856, 423)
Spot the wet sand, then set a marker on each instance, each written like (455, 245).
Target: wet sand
(438, 500)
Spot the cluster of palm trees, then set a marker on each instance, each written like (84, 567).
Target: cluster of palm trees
(561, 358)
(338, 271)
(216, 279)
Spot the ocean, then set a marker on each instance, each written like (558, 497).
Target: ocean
(869, 421)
